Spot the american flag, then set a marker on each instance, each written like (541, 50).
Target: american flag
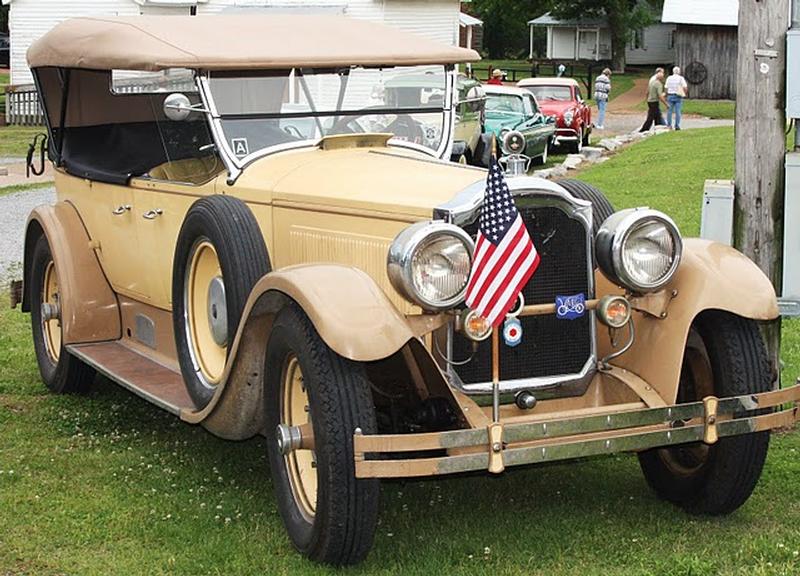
(505, 257)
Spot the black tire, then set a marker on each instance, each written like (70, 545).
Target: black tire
(230, 227)
(715, 479)
(342, 528)
(601, 207)
(586, 134)
(61, 372)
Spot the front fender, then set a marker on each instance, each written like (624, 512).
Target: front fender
(711, 276)
(349, 311)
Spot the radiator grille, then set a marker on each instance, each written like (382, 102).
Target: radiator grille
(550, 347)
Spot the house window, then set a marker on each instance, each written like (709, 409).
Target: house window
(637, 41)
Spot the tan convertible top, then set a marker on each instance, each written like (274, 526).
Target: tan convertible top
(227, 42)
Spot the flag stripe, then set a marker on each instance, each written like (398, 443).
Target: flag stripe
(503, 268)
(505, 257)
(499, 256)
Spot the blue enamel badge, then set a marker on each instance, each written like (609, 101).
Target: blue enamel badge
(570, 307)
(512, 332)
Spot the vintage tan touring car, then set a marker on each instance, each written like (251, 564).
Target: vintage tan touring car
(252, 236)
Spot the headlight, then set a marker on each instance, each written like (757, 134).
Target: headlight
(639, 249)
(513, 142)
(429, 264)
(569, 116)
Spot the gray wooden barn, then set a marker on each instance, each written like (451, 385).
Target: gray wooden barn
(706, 45)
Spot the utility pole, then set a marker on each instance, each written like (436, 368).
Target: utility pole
(761, 142)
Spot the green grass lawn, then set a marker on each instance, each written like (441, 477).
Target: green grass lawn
(14, 140)
(4, 81)
(715, 109)
(108, 484)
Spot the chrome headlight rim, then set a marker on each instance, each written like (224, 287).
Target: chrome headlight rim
(401, 259)
(620, 227)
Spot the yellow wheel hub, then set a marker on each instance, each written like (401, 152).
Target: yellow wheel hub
(51, 329)
(208, 355)
(301, 464)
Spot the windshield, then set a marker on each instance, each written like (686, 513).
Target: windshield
(273, 108)
(543, 93)
(504, 104)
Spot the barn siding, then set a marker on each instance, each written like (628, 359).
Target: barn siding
(716, 48)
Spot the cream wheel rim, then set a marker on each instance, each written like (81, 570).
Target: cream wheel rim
(51, 329)
(208, 357)
(687, 460)
(301, 465)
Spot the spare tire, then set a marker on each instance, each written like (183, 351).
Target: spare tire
(602, 208)
(219, 256)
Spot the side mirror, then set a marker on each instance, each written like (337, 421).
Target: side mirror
(178, 107)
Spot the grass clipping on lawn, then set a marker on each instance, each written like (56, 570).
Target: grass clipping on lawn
(108, 484)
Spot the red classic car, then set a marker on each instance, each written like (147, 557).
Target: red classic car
(561, 97)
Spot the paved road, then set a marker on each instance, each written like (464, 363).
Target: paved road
(14, 210)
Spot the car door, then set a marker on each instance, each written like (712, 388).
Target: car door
(108, 214)
(535, 127)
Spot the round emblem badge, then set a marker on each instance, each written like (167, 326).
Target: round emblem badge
(512, 332)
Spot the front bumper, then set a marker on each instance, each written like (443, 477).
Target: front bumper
(565, 135)
(499, 445)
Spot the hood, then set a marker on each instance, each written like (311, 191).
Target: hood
(499, 123)
(382, 180)
(555, 107)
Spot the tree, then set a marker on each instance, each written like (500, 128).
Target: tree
(624, 18)
(505, 25)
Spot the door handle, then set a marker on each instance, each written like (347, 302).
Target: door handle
(152, 214)
(121, 209)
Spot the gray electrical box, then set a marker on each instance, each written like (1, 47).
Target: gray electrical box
(716, 222)
(791, 229)
(793, 74)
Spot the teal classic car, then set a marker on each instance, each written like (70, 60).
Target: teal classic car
(509, 108)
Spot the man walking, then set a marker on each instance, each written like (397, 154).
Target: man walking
(677, 89)
(655, 95)
(602, 88)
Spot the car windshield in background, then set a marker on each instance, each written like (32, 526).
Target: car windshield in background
(504, 104)
(269, 109)
(544, 93)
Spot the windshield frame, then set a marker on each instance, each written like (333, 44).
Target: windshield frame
(236, 165)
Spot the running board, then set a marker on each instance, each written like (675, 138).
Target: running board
(149, 380)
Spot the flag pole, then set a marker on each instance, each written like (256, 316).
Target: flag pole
(495, 343)
(495, 375)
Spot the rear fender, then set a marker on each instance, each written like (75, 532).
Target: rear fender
(711, 276)
(349, 311)
(89, 308)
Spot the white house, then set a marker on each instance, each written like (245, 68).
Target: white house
(590, 39)
(29, 19)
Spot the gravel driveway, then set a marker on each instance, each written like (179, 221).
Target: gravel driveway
(14, 210)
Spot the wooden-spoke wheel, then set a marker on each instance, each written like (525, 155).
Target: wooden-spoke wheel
(320, 399)
(697, 382)
(51, 328)
(724, 356)
(301, 465)
(206, 313)
(219, 256)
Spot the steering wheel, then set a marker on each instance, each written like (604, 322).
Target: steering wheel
(403, 127)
